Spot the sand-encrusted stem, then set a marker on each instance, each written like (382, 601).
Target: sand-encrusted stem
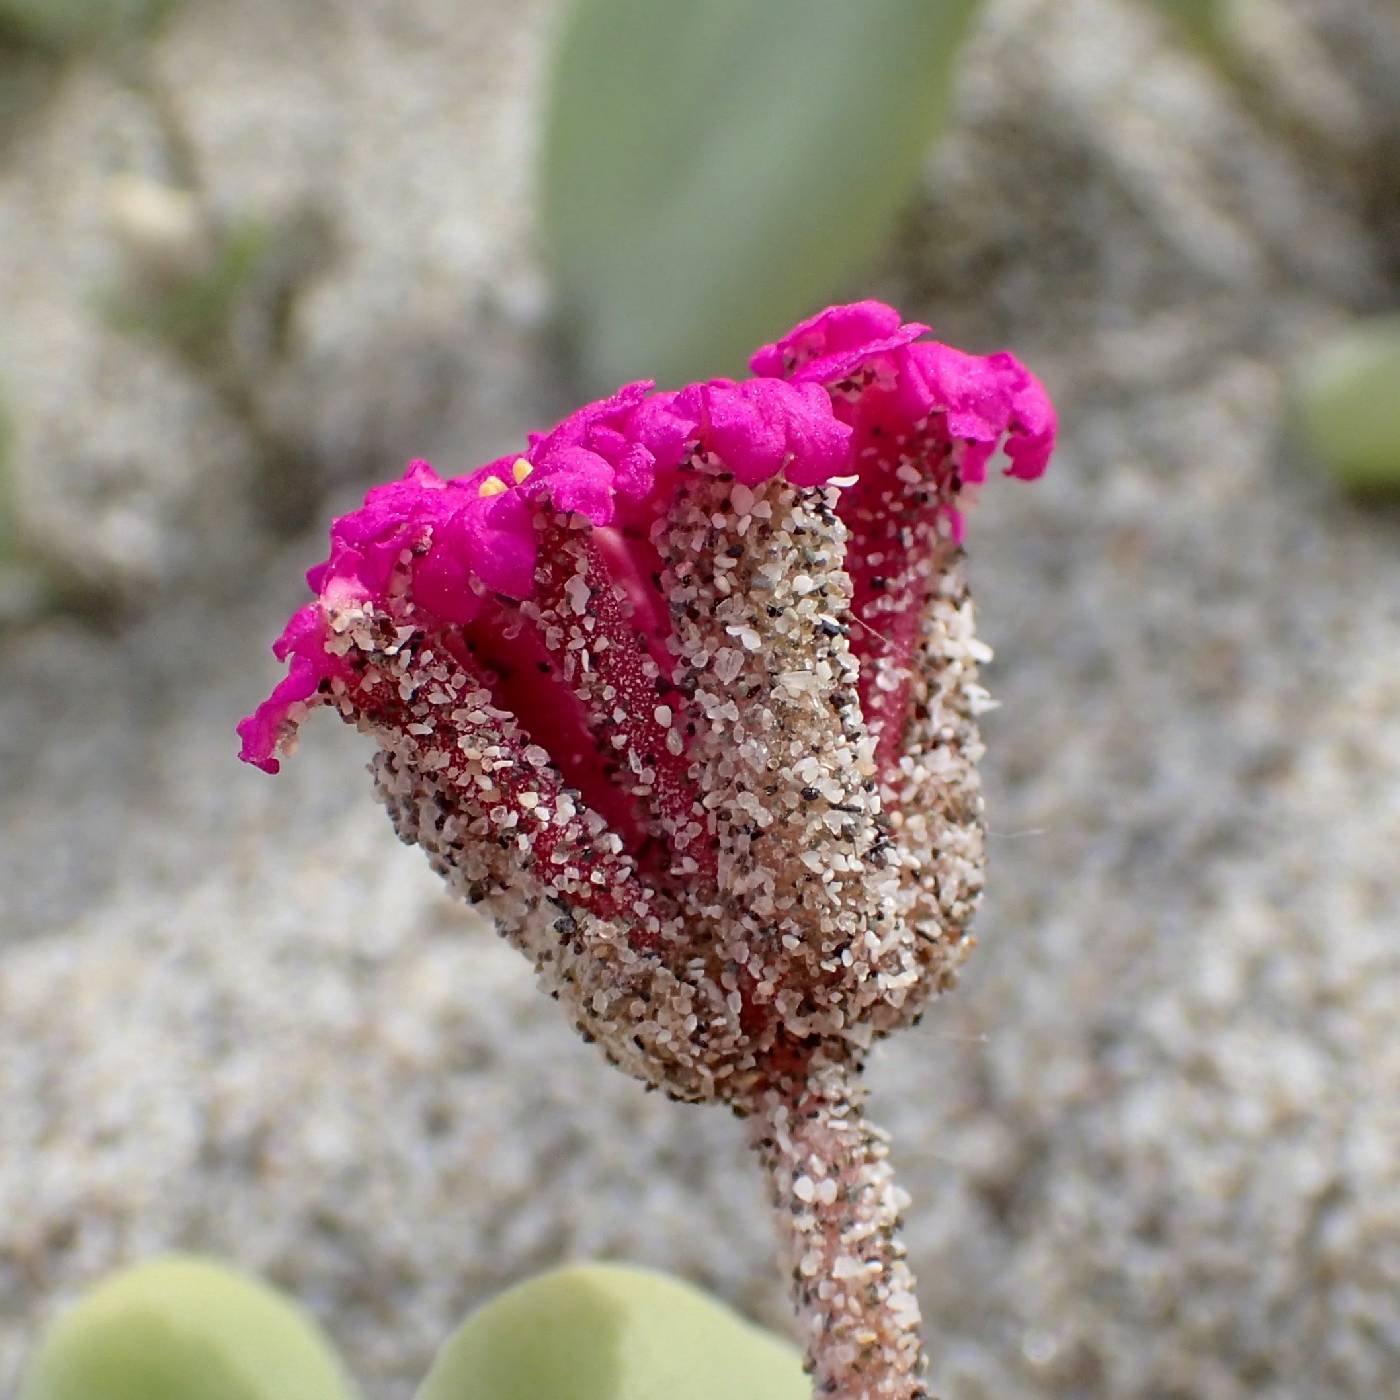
(838, 1212)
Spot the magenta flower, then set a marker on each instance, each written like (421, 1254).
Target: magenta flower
(685, 696)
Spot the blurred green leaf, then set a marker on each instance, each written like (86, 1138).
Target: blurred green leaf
(603, 1332)
(59, 25)
(1349, 404)
(714, 169)
(183, 1328)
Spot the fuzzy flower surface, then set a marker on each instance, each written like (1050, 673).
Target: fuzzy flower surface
(685, 693)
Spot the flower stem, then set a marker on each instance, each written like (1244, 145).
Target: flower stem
(838, 1213)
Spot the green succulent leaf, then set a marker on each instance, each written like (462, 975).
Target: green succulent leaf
(1349, 406)
(715, 169)
(604, 1332)
(182, 1328)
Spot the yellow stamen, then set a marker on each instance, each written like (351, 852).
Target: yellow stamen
(492, 486)
(521, 470)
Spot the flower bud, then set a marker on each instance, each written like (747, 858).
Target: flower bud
(685, 694)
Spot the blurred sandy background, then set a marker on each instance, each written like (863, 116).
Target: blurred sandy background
(1154, 1140)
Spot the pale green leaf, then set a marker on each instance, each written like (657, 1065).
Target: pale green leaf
(182, 1328)
(604, 1332)
(715, 169)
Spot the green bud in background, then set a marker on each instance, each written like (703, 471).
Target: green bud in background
(715, 169)
(181, 1328)
(1348, 395)
(604, 1332)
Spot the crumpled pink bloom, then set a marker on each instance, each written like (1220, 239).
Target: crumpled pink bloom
(885, 377)
(685, 696)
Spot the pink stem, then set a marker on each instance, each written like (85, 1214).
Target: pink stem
(838, 1213)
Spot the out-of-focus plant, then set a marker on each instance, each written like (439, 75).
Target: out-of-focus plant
(1205, 22)
(183, 277)
(218, 293)
(715, 168)
(23, 590)
(1286, 68)
(182, 1328)
(604, 1332)
(61, 25)
(1349, 405)
(7, 486)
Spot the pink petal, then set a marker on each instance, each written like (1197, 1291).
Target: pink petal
(828, 346)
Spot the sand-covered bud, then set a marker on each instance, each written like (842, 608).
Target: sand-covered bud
(685, 693)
